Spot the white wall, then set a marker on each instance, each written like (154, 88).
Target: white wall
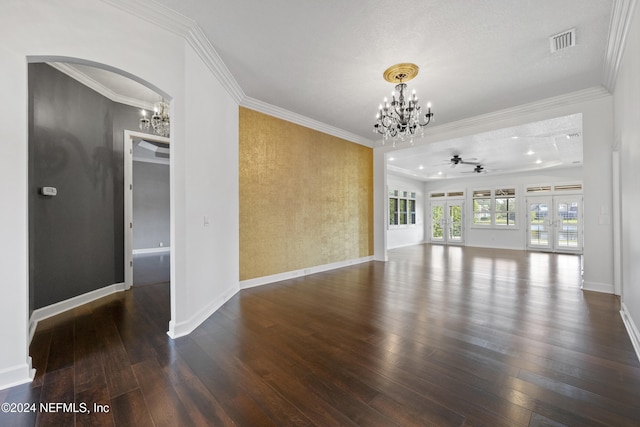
(413, 234)
(627, 131)
(211, 197)
(96, 31)
(501, 238)
(380, 205)
(596, 106)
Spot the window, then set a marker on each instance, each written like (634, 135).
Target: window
(412, 211)
(505, 214)
(402, 208)
(393, 210)
(482, 207)
(539, 189)
(568, 187)
(495, 208)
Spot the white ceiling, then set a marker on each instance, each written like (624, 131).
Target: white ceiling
(325, 59)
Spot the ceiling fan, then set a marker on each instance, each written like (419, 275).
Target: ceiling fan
(457, 160)
(478, 169)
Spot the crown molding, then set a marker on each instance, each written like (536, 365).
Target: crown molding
(79, 76)
(621, 15)
(189, 30)
(156, 14)
(205, 50)
(511, 113)
(281, 113)
(182, 26)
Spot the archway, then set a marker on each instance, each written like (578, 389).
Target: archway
(76, 146)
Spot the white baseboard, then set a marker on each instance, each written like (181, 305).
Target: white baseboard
(158, 250)
(62, 306)
(606, 288)
(16, 375)
(406, 245)
(180, 329)
(259, 281)
(508, 248)
(632, 330)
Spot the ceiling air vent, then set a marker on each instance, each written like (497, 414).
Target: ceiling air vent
(563, 40)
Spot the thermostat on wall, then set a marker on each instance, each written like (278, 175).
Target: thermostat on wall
(48, 191)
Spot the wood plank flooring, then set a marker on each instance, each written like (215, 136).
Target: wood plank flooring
(445, 336)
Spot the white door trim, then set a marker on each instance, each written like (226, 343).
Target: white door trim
(129, 136)
(446, 222)
(553, 222)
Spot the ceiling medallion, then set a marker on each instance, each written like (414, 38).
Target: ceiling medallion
(401, 118)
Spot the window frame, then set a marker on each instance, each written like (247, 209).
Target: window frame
(508, 194)
(404, 218)
(485, 195)
(492, 195)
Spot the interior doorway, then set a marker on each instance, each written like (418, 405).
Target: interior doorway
(147, 208)
(78, 113)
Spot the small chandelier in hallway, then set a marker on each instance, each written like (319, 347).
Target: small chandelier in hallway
(401, 118)
(159, 124)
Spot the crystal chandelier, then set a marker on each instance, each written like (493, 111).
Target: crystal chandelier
(401, 118)
(159, 123)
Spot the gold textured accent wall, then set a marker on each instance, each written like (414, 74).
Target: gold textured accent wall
(306, 198)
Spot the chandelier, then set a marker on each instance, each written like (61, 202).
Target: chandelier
(159, 123)
(401, 118)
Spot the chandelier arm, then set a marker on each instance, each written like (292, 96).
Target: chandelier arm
(428, 118)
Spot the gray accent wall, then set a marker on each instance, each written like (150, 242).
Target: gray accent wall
(76, 238)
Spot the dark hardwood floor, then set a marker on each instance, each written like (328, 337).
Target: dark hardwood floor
(438, 335)
(151, 269)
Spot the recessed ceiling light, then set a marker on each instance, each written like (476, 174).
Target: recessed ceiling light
(440, 173)
(391, 159)
(515, 137)
(530, 152)
(420, 167)
(538, 161)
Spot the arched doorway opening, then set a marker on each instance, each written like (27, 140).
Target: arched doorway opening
(78, 112)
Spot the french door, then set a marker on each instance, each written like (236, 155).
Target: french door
(447, 224)
(555, 223)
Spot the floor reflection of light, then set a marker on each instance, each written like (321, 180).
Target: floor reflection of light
(487, 289)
